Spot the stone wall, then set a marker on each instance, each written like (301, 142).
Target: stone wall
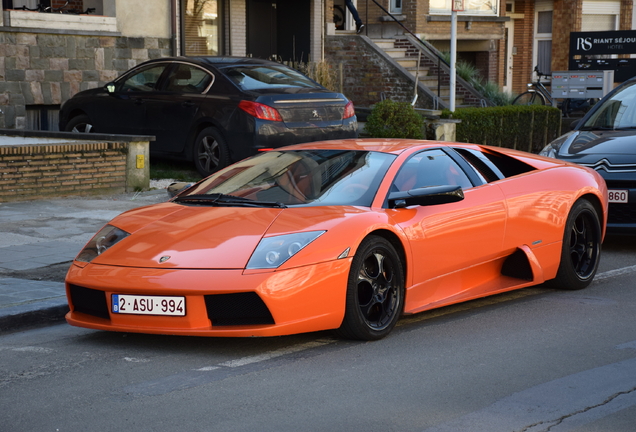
(46, 69)
(367, 75)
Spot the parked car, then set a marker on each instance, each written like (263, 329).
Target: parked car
(212, 110)
(605, 140)
(343, 234)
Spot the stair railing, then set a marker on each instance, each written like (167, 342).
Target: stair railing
(431, 51)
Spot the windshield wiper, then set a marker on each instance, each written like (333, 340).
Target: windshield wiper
(227, 200)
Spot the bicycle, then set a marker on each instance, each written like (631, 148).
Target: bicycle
(536, 94)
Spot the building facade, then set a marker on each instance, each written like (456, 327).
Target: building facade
(50, 50)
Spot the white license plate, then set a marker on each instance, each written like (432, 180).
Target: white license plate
(148, 305)
(618, 195)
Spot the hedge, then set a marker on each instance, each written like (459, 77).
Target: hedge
(521, 127)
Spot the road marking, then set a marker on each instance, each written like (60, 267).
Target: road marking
(136, 360)
(276, 353)
(205, 375)
(31, 349)
(556, 406)
(613, 273)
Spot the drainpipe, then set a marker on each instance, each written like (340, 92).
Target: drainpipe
(173, 26)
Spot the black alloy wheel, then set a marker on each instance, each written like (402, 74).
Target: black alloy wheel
(581, 251)
(375, 291)
(81, 123)
(210, 152)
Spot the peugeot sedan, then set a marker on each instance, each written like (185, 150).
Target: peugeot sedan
(212, 110)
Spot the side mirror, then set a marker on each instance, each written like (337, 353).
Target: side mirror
(177, 187)
(574, 124)
(110, 87)
(432, 195)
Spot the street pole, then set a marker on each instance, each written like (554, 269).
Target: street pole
(453, 58)
(457, 6)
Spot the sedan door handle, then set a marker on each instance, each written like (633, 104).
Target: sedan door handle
(139, 101)
(188, 104)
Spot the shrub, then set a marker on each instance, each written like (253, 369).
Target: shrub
(390, 119)
(322, 72)
(528, 128)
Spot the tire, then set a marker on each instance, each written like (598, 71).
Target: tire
(581, 248)
(210, 152)
(80, 123)
(375, 291)
(529, 98)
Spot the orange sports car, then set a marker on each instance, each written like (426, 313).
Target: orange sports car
(346, 235)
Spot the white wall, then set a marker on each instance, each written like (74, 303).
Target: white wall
(144, 18)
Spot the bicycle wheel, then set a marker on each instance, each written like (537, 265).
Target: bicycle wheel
(529, 98)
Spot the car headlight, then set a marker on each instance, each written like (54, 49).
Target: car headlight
(549, 151)
(101, 242)
(272, 252)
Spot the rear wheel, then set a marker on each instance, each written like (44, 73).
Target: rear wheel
(581, 248)
(80, 123)
(210, 152)
(375, 291)
(529, 98)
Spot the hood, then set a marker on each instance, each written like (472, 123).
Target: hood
(594, 144)
(192, 237)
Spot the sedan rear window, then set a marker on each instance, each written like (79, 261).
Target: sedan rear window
(258, 77)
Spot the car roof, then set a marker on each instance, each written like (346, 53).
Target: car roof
(384, 145)
(217, 61)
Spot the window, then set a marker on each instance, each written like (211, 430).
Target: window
(42, 117)
(475, 7)
(145, 80)
(600, 15)
(188, 79)
(430, 168)
(396, 6)
(201, 26)
(543, 37)
(265, 77)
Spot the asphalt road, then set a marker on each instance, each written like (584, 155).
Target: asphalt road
(531, 360)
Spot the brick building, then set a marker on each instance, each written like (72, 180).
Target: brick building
(45, 58)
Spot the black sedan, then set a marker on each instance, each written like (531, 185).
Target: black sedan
(605, 140)
(212, 110)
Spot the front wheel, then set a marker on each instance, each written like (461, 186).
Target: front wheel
(210, 152)
(81, 123)
(375, 291)
(529, 98)
(581, 250)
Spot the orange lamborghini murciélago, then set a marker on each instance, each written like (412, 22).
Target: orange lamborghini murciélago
(345, 235)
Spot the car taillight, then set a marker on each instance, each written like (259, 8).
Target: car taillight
(260, 111)
(349, 111)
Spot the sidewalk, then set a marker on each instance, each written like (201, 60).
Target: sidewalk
(38, 241)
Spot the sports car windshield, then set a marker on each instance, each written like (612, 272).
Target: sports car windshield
(305, 177)
(259, 77)
(616, 112)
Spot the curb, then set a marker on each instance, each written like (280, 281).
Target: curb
(34, 314)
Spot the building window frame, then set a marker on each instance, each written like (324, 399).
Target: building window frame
(478, 8)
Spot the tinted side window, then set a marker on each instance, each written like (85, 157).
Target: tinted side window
(188, 79)
(144, 80)
(430, 168)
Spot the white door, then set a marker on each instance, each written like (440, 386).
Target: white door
(509, 59)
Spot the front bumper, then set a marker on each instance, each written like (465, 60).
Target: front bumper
(300, 300)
